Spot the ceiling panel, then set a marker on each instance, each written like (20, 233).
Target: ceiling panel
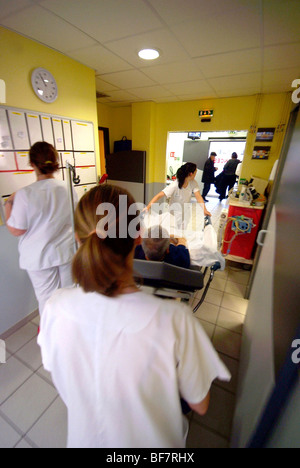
(220, 33)
(151, 92)
(178, 11)
(128, 79)
(106, 20)
(190, 87)
(8, 7)
(101, 59)
(282, 56)
(276, 80)
(237, 82)
(174, 72)
(60, 35)
(281, 20)
(230, 63)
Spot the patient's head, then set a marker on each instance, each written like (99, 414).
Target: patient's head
(156, 244)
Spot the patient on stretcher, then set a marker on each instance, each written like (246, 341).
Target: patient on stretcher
(158, 245)
(201, 244)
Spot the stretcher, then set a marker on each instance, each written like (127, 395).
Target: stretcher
(169, 281)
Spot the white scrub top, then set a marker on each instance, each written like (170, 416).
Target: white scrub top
(182, 195)
(119, 364)
(180, 201)
(43, 210)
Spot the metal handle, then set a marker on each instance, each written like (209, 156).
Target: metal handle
(260, 240)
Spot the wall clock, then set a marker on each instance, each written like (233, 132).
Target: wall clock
(44, 85)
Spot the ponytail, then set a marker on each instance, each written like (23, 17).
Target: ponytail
(100, 261)
(45, 157)
(184, 171)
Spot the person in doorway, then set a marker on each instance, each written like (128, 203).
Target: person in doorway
(157, 245)
(121, 358)
(180, 193)
(229, 175)
(208, 176)
(40, 216)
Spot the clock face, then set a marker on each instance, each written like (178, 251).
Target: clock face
(44, 85)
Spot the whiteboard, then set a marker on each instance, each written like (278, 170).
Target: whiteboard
(47, 129)
(20, 129)
(34, 128)
(83, 136)
(5, 138)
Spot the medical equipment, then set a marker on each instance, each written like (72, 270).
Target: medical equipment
(240, 230)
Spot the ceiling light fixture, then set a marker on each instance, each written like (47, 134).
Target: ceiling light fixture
(148, 54)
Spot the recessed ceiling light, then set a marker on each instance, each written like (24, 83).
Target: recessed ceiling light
(148, 54)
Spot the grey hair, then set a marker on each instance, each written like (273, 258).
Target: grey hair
(156, 243)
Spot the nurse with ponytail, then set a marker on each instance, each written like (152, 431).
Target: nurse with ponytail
(40, 216)
(180, 193)
(121, 358)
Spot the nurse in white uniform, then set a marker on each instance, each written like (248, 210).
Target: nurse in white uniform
(40, 215)
(180, 193)
(120, 358)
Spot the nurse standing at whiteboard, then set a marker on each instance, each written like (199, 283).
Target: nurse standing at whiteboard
(40, 215)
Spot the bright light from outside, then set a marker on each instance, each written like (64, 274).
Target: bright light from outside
(148, 54)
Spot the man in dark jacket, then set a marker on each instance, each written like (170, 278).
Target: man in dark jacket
(229, 177)
(208, 176)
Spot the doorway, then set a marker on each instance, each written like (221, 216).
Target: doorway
(104, 147)
(182, 149)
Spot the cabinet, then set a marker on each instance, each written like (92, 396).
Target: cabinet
(241, 230)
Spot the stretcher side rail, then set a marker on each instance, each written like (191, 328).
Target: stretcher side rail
(165, 278)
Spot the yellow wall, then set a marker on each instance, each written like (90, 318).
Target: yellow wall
(117, 119)
(152, 122)
(76, 83)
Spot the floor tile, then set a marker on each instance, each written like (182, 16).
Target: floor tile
(237, 289)
(21, 337)
(218, 283)
(239, 276)
(200, 437)
(231, 320)
(208, 312)
(213, 296)
(220, 412)
(8, 436)
(233, 367)
(227, 342)
(208, 327)
(23, 444)
(50, 431)
(27, 404)
(235, 303)
(30, 354)
(12, 375)
(45, 375)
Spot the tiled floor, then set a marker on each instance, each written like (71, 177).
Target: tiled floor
(33, 415)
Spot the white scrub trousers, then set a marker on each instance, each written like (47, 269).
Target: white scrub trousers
(45, 282)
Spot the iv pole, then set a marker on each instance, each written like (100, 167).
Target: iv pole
(76, 180)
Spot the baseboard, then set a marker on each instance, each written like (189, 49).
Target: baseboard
(19, 325)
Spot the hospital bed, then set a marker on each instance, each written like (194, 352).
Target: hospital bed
(165, 280)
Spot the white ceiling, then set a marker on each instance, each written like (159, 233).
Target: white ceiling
(209, 48)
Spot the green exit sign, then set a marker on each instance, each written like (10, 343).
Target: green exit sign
(206, 113)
